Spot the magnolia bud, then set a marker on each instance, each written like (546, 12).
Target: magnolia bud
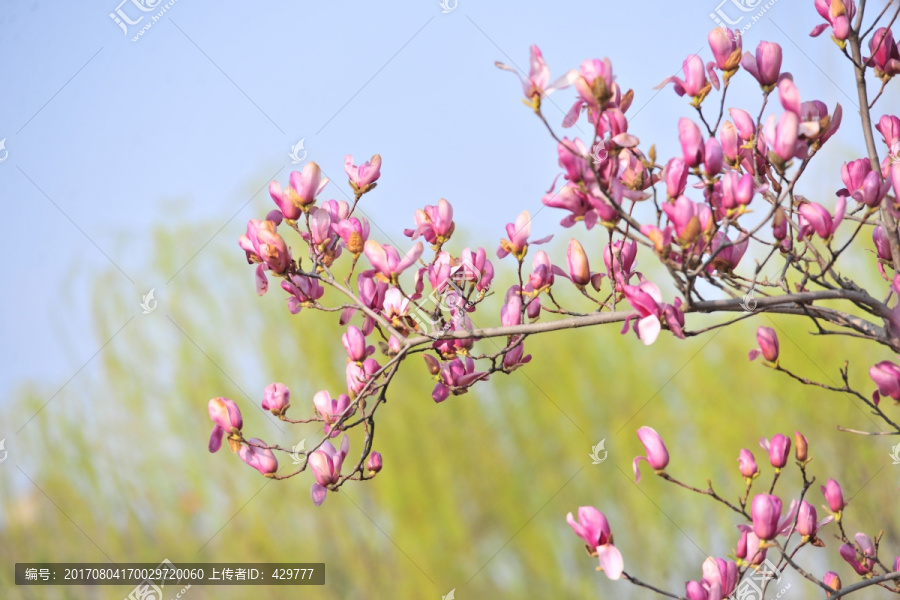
(801, 446)
(375, 463)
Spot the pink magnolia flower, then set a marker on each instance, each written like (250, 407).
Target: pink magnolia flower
(518, 233)
(781, 136)
(619, 260)
(788, 94)
(694, 590)
(542, 271)
(579, 269)
(719, 580)
(277, 398)
(573, 158)
(354, 233)
(719, 574)
(731, 143)
(747, 464)
(573, 199)
(748, 546)
(889, 128)
(689, 218)
(729, 256)
(692, 144)
(358, 375)
(511, 313)
(779, 449)
(595, 85)
(886, 376)
(372, 291)
(765, 511)
(320, 236)
(864, 184)
(375, 463)
(807, 525)
(363, 176)
(745, 124)
(326, 463)
(832, 580)
(675, 175)
(331, 409)
(387, 261)
(713, 157)
(355, 344)
(593, 528)
(536, 84)
(834, 496)
(726, 46)
(885, 57)
(337, 209)
(838, 13)
(768, 344)
(287, 201)
(303, 290)
(816, 218)
(634, 177)
(455, 377)
(661, 238)
(694, 83)
(262, 243)
(306, 185)
(882, 245)
(657, 453)
(737, 190)
(862, 556)
(765, 66)
(261, 459)
(516, 357)
(476, 268)
(395, 307)
(647, 301)
(816, 125)
(225, 414)
(435, 223)
(227, 418)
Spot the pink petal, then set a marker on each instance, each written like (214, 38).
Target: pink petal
(611, 561)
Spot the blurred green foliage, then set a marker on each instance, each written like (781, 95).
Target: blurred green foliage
(474, 492)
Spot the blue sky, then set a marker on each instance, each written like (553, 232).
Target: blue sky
(109, 138)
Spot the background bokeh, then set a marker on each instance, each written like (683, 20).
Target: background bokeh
(135, 165)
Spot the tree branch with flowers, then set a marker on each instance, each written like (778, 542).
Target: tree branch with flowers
(734, 188)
